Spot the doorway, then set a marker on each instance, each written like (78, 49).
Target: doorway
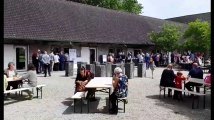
(92, 55)
(21, 57)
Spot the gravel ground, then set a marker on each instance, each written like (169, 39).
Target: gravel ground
(143, 102)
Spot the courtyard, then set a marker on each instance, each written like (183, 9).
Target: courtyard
(143, 102)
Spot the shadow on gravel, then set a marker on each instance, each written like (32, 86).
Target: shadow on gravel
(185, 107)
(14, 99)
(70, 110)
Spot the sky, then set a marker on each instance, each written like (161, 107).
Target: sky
(174, 8)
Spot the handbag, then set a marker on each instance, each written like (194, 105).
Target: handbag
(80, 88)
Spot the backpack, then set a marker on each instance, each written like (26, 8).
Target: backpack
(122, 90)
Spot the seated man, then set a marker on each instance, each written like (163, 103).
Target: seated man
(120, 84)
(195, 72)
(82, 79)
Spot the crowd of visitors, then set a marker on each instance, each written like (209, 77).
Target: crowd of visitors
(158, 58)
(45, 62)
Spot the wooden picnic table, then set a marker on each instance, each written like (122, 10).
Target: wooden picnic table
(11, 79)
(101, 82)
(200, 81)
(14, 80)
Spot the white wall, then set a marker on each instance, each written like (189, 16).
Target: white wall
(85, 56)
(9, 54)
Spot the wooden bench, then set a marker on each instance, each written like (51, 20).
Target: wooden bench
(16, 90)
(124, 100)
(76, 96)
(39, 88)
(185, 91)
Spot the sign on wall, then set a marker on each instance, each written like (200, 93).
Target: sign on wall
(72, 54)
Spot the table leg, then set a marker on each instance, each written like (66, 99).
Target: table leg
(204, 95)
(88, 104)
(184, 87)
(109, 100)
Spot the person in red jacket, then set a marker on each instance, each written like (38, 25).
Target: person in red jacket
(178, 84)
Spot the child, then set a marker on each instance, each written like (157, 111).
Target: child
(178, 84)
(152, 66)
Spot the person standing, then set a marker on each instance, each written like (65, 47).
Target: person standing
(35, 61)
(152, 66)
(56, 62)
(147, 59)
(46, 62)
(51, 61)
(61, 61)
(41, 64)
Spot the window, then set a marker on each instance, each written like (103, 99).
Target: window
(78, 50)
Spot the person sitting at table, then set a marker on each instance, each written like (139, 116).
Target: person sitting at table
(82, 79)
(167, 78)
(178, 84)
(31, 78)
(10, 72)
(195, 72)
(120, 84)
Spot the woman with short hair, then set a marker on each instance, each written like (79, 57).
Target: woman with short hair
(167, 78)
(11, 72)
(31, 78)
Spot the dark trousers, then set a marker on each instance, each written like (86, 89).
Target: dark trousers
(36, 64)
(177, 95)
(62, 66)
(91, 93)
(190, 86)
(47, 68)
(41, 67)
(14, 84)
(56, 67)
(113, 99)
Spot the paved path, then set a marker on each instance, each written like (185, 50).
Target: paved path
(143, 102)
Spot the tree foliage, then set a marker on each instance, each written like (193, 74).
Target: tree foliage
(198, 36)
(167, 38)
(131, 6)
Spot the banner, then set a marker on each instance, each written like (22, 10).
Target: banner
(72, 54)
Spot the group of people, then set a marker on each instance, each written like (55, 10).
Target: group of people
(47, 63)
(169, 79)
(120, 85)
(27, 80)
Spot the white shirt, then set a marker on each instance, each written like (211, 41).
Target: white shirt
(11, 73)
(56, 59)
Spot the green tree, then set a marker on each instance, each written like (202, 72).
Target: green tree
(131, 6)
(167, 38)
(198, 36)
